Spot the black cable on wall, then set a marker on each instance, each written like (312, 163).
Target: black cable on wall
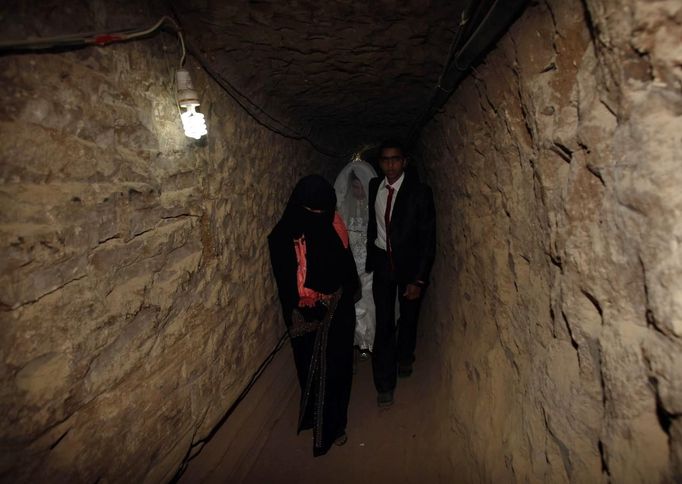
(492, 25)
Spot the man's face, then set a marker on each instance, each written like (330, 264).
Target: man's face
(392, 162)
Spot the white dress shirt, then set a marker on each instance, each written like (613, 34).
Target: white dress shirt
(380, 208)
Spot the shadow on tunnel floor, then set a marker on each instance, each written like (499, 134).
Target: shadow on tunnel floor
(402, 444)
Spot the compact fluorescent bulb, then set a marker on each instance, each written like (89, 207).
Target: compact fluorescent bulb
(192, 121)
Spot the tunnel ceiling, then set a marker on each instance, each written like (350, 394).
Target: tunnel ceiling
(356, 69)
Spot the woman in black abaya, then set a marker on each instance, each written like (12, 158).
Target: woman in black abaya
(317, 283)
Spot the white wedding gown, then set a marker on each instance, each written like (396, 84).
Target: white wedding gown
(353, 206)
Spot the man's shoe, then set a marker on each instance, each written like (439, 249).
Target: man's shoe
(385, 399)
(404, 370)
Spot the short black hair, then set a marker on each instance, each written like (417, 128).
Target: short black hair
(392, 143)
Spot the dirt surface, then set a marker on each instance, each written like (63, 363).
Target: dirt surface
(399, 444)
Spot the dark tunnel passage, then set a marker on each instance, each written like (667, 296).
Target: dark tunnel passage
(141, 333)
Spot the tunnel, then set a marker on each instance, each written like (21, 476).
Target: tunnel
(141, 335)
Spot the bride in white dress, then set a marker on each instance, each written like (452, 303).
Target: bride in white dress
(352, 186)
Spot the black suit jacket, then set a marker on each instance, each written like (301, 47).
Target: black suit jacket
(413, 230)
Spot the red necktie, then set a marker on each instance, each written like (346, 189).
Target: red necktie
(387, 221)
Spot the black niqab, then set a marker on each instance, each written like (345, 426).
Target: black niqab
(324, 249)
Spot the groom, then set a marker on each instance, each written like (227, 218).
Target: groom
(401, 239)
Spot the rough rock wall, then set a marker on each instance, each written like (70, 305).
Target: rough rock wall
(135, 290)
(557, 294)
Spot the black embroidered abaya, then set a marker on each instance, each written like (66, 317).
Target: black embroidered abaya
(317, 282)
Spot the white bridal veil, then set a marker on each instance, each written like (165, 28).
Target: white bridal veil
(352, 188)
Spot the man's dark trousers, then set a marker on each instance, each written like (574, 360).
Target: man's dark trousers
(387, 347)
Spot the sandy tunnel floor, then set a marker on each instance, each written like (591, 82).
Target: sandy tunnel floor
(400, 444)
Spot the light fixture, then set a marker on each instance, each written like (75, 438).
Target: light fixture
(192, 121)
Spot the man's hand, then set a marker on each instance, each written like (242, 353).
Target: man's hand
(412, 292)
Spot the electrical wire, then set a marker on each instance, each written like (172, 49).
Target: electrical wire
(87, 38)
(248, 105)
(440, 94)
(252, 381)
(102, 39)
(184, 50)
(464, 18)
(473, 36)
